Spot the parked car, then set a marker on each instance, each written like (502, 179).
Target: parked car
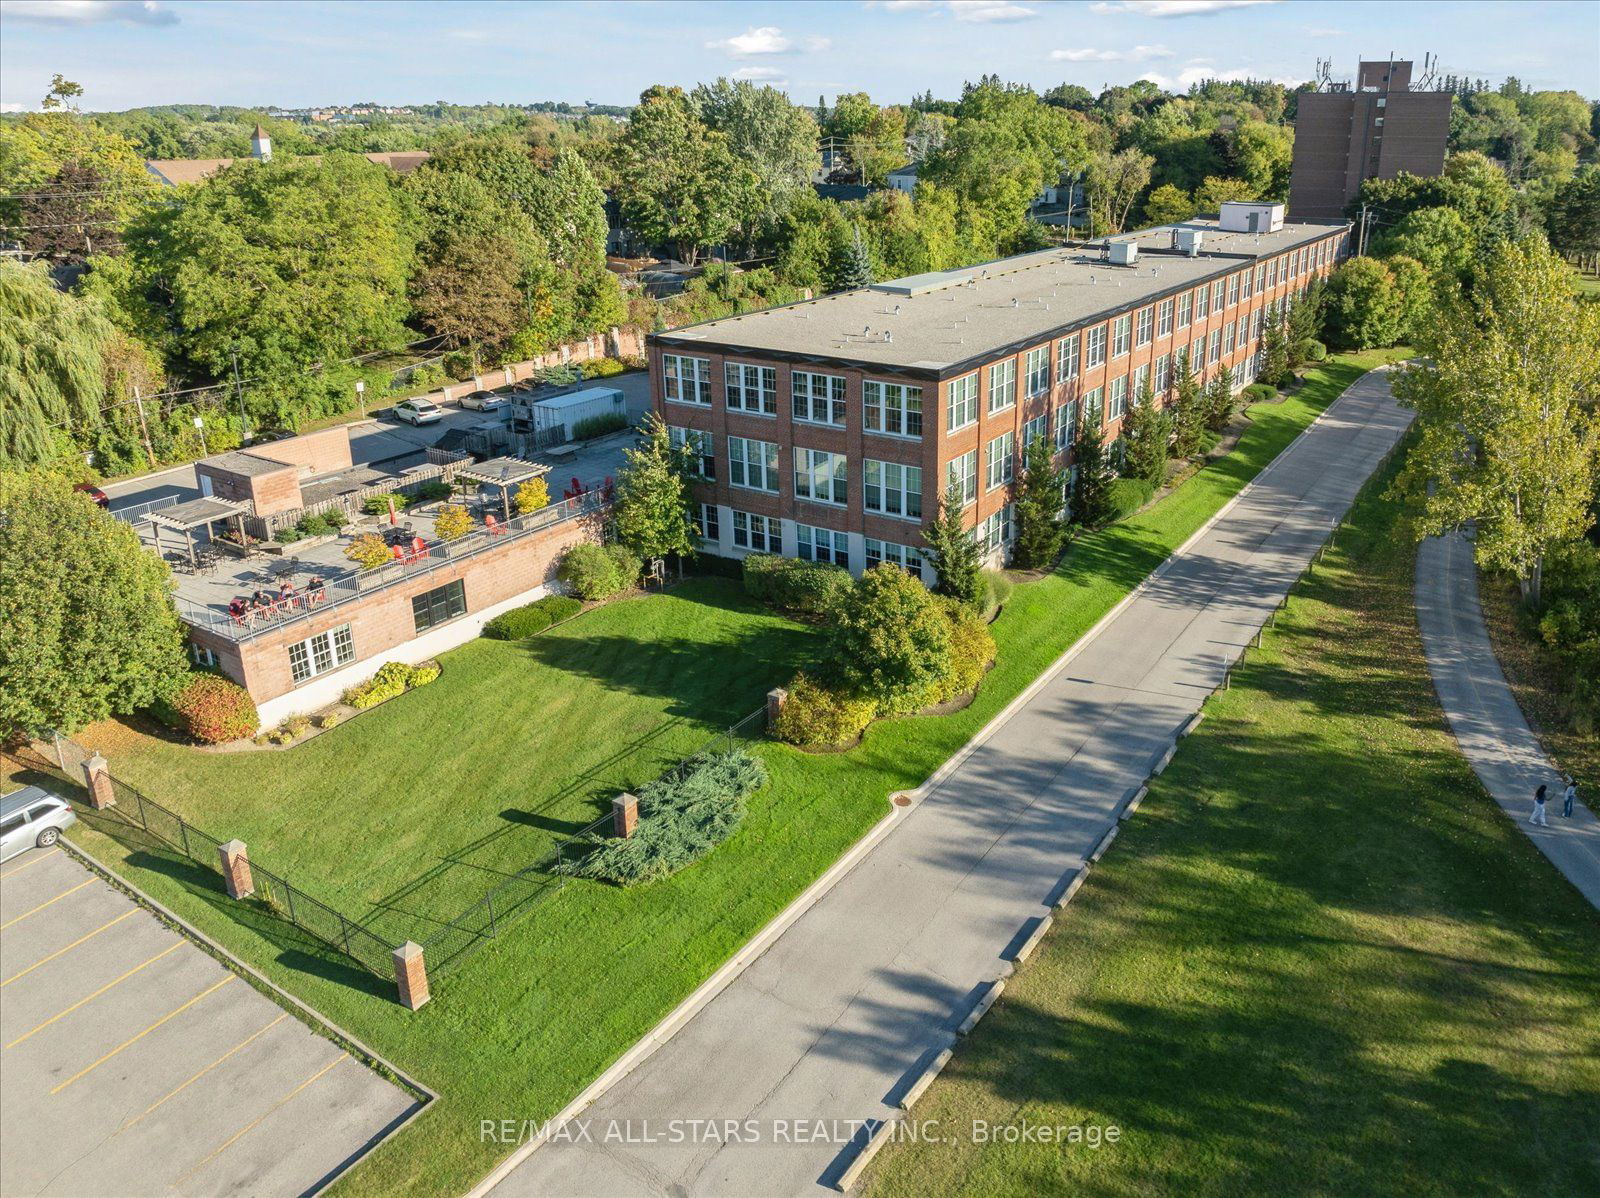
(268, 436)
(32, 818)
(418, 411)
(94, 493)
(483, 401)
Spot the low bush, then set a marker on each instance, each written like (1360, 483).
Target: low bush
(795, 586)
(452, 522)
(520, 623)
(393, 678)
(288, 536)
(214, 710)
(821, 716)
(1312, 350)
(378, 505)
(368, 551)
(432, 492)
(427, 376)
(1128, 495)
(1258, 393)
(683, 816)
(972, 648)
(598, 571)
(598, 426)
(1209, 440)
(421, 676)
(459, 364)
(329, 719)
(997, 588)
(336, 519)
(296, 726)
(315, 525)
(601, 368)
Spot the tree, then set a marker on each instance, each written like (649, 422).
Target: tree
(652, 513)
(531, 496)
(1413, 290)
(1091, 497)
(90, 627)
(888, 640)
(568, 210)
(1147, 431)
(70, 216)
(953, 549)
(452, 522)
(852, 265)
(1439, 238)
(774, 138)
(1364, 308)
(1114, 182)
(1220, 399)
(1573, 217)
(1188, 417)
(1275, 368)
(1214, 192)
(1039, 529)
(469, 292)
(1506, 440)
(1168, 205)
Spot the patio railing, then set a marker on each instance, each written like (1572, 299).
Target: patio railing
(359, 584)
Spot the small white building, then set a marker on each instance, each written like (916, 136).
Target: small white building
(1244, 216)
(904, 178)
(572, 409)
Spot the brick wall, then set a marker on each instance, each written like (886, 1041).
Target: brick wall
(321, 452)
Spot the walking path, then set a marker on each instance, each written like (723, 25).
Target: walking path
(832, 1020)
(1488, 724)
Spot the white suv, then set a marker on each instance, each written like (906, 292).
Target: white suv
(418, 411)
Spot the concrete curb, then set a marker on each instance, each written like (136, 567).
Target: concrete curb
(1132, 804)
(920, 1086)
(981, 1007)
(1164, 760)
(878, 1138)
(1100, 849)
(1032, 942)
(1194, 722)
(1069, 886)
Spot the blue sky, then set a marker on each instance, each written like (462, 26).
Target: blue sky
(257, 52)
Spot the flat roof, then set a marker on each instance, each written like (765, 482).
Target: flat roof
(196, 513)
(927, 324)
(250, 465)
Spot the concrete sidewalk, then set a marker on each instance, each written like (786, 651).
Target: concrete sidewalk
(834, 1019)
(1483, 713)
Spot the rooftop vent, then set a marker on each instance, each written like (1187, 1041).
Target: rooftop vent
(1188, 241)
(1124, 253)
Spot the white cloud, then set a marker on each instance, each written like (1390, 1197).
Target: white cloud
(1173, 8)
(1195, 72)
(88, 12)
(767, 39)
(10, 107)
(1327, 33)
(1132, 54)
(988, 11)
(760, 75)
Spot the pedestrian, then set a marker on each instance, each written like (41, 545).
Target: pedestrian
(1538, 816)
(1569, 797)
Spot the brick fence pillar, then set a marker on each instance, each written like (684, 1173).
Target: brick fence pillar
(776, 698)
(411, 975)
(624, 815)
(236, 869)
(97, 777)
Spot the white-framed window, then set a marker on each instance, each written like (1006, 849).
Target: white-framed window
(1261, 278)
(1197, 354)
(1002, 385)
(964, 473)
(1141, 375)
(1163, 374)
(1256, 322)
(1037, 371)
(201, 655)
(1067, 358)
(1244, 283)
(753, 464)
(1094, 406)
(1272, 273)
(1001, 465)
(760, 534)
(815, 544)
(1216, 296)
(1039, 426)
(751, 388)
(904, 556)
(702, 444)
(686, 380)
(1164, 319)
(707, 525)
(1233, 290)
(321, 653)
(892, 489)
(818, 398)
(820, 476)
(1228, 334)
(1121, 334)
(998, 530)
(1202, 305)
(1118, 405)
(962, 407)
(891, 408)
(1146, 328)
(1185, 307)
(1066, 423)
(1214, 348)
(1094, 353)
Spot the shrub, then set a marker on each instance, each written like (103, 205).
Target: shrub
(390, 680)
(520, 623)
(288, 536)
(368, 551)
(972, 648)
(280, 736)
(598, 426)
(328, 719)
(1209, 440)
(315, 526)
(601, 368)
(791, 585)
(1258, 393)
(421, 676)
(378, 505)
(296, 726)
(452, 522)
(683, 816)
(458, 364)
(336, 519)
(598, 571)
(815, 714)
(1312, 350)
(531, 496)
(427, 376)
(888, 640)
(431, 492)
(997, 588)
(215, 710)
(1128, 495)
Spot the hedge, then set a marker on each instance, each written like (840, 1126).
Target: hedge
(1128, 495)
(792, 585)
(598, 426)
(1258, 393)
(520, 623)
(214, 710)
(598, 571)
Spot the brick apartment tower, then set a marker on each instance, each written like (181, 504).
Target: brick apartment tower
(1374, 132)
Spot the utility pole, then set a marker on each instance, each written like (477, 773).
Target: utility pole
(244, 423)
(144, 425)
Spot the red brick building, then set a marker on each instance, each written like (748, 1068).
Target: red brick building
(829, 429)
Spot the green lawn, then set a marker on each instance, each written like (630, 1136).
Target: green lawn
(524, 1024)
(1318, 960)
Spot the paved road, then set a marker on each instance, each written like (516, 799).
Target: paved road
(1484, 715)
(828, 1023)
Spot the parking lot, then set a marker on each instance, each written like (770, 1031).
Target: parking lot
(132, 1062)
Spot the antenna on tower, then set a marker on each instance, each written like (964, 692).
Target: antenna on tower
(1428, 80)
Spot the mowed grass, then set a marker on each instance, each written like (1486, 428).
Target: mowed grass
(1318, 960)
(524, 1024)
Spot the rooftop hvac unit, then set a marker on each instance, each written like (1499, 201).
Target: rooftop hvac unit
(1124, 253)
(1187, 240)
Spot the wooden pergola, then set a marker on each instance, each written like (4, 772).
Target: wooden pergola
(196, 513)
(503, 474)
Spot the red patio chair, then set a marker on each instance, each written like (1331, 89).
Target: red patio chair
(492, 526)
(419, 549)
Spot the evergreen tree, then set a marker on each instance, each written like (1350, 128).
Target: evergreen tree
(1147, 432)
(1275, 352)
(652, 512)
(1039, 529)
(1091, 498)
(1186, 412)
(1220, 400)
(852, 264)
(954, 551)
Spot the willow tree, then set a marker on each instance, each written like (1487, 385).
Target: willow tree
(1505, 399)
(52, 364)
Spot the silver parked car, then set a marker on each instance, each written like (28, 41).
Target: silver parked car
(483, 401)
(32, 818)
